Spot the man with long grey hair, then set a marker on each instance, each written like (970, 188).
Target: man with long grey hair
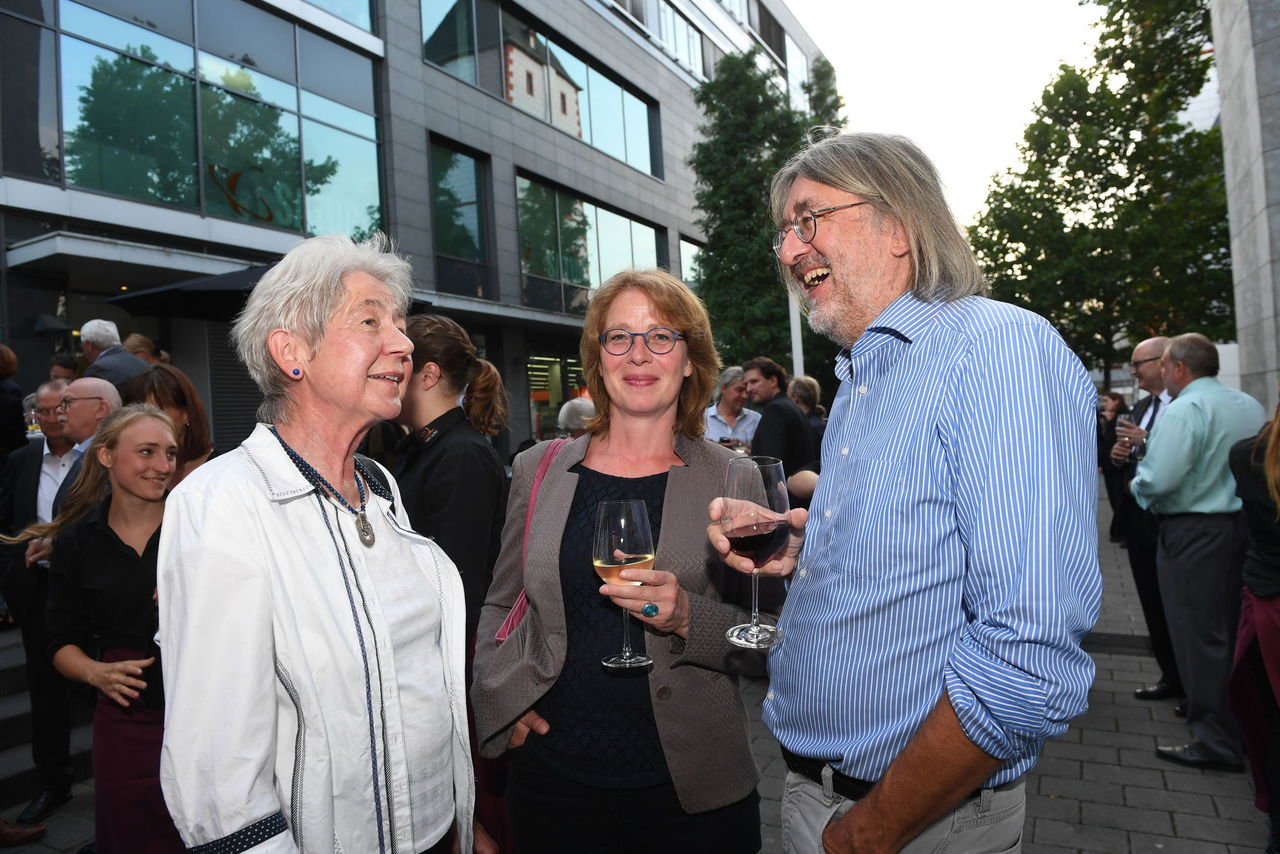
(949, 566)
(729, 422)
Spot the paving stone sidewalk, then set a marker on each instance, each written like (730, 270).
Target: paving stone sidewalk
(1097, 788)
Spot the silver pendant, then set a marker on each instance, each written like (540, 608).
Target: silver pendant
(364, 529)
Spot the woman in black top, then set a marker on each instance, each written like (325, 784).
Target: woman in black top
(1255, 698)
(454, 488)
(102, 582)
(1112, 407)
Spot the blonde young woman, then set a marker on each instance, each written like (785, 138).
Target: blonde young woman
(102, 619)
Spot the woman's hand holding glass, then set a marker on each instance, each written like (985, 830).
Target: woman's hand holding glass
(659, 588)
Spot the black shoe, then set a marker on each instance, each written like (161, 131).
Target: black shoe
(43, 804)
(1181, 711)
(1196, 755)
(1162, 690)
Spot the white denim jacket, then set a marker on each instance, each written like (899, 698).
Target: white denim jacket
(283, 721)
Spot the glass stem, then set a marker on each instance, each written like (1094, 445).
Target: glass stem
(626, 634)
(755, 597)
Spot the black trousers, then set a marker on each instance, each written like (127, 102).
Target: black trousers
(1142, 529)
(551, 815)
(1200, 560)
(50, 694)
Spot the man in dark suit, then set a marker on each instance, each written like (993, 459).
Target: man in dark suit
(31, 478)
(100, 340)
(1141, 525)
(783, 431)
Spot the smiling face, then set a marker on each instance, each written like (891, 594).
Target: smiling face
(357, 374)
(856, 264)
(47, 401)
(641, 383)
(142, 463)
(734, 396)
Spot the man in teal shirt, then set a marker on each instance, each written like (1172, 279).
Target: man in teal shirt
(1185, 481)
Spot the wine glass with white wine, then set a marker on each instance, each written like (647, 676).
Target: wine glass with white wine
(622, 541)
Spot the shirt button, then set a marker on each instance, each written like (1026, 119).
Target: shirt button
(862, 389)
(802, 573)
(844, 452)
(826, 514)
(769, 696)
(664, 692)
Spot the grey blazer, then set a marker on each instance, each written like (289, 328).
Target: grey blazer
(693, 685)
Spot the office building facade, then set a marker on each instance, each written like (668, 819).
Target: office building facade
(519, 153)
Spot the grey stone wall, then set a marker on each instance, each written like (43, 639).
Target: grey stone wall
(1246, 36)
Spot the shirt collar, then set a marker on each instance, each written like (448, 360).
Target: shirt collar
(903, 320)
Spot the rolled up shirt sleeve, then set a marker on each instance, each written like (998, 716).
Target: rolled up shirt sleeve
(1025, 488)
(217, 765)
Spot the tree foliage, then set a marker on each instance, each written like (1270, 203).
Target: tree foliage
(1114, 226)
(748, 132)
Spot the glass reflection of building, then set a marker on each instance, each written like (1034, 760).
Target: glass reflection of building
(520, 153)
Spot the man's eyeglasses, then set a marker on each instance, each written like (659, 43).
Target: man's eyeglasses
(66, 402)
(659, 340)
(805, 225)
(1138, 363)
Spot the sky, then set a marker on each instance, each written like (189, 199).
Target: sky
(958, 78)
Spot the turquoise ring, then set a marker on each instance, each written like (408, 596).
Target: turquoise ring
(650, 610)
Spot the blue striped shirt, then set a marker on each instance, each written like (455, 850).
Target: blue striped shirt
(951, 544)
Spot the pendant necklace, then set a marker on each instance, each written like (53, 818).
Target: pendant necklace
(364, 530)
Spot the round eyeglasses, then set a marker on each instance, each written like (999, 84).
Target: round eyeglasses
(805, 225)
(659, 340)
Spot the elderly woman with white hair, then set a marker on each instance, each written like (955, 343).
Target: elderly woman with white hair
(313, 643)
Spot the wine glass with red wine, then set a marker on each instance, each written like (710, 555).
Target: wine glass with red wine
(755, 522)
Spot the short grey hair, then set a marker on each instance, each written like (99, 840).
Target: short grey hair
(575, 414)
(100, 333)
(729, 376)
(1195, 351)
(899, 180)
(300, 294)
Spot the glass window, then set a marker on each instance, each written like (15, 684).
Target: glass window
(342, 181)
(457, 211)
(797, 76)
(29, 92)
(770, 31)
(539, 238)
(331, 70)
(572, 113)
(163, 16)
(39, 10)
(608, 132)
(341, 115)
(128, 126)
(126, 37)
(690, 264)
(248, 36)
(247, 81)
(526, 67)
(449, 37)
(644, 245)
(489, 50)
(614, 234)
(575, 240)
(637, 126)
(352, 11)
(251, 160)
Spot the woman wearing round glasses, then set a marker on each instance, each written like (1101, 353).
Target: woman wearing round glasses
(651, 759)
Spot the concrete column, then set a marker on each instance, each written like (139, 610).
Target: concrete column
(1246, 35)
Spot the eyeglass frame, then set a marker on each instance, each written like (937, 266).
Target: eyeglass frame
(65, 403)
(676, 337)
(780, 236)
(1138, 363)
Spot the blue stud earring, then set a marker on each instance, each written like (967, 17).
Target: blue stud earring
(297, 373)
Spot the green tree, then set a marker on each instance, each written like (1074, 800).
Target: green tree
(825, 102)
(1114, 225)
(748, 132)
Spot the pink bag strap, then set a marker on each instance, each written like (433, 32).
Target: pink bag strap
(553, 448)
